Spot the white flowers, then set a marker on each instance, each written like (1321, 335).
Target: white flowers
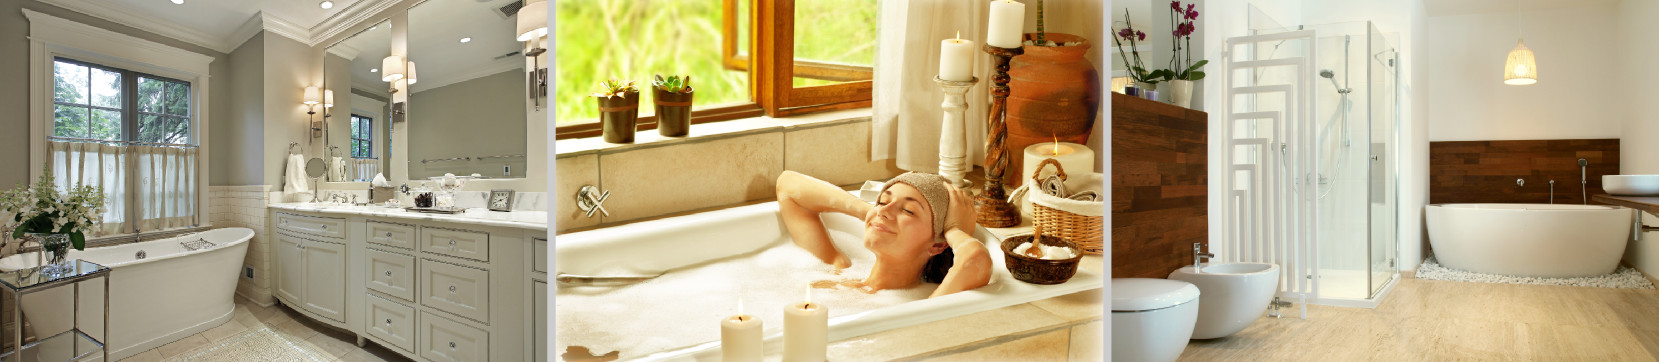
(42, 209)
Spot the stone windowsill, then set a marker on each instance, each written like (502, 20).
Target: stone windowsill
(708, 131)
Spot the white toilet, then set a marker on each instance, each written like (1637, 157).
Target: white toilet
(1152, 319)
(1235, 294)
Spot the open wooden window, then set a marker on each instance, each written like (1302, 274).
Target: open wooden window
(815, 57)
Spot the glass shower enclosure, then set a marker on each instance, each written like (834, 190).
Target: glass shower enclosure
(1329, 159)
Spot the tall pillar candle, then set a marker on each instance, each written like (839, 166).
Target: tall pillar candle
(805, 331)
(956, 59)
(740, 337)
(1077, 160)
(1007, 23)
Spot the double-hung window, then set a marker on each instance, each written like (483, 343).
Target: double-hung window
(129, 133)
(362, 137)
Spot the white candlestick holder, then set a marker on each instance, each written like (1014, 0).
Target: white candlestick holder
(953, 134)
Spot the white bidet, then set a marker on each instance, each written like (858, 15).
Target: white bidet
(1234, 295)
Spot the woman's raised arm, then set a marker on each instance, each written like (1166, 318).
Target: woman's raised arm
(971, 268)
(800, 199)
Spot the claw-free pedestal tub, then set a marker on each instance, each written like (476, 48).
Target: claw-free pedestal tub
(170, 294)
(1534, 240)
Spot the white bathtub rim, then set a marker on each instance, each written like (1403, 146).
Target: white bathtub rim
(1523, 207)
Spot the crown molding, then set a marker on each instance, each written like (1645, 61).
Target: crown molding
(351, 16)
(344, 51)
(285, 28)
(161, 27)
(249, 28)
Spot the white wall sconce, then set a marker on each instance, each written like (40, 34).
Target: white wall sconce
(411, 75)
(313, 97)
(391, 69)
(532, 28)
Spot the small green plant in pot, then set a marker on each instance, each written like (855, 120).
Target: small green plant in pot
(673, 99)
(618, 110)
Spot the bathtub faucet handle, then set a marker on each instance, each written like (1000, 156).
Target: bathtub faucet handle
(589, 198)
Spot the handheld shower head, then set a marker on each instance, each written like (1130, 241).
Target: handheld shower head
(1327, 73)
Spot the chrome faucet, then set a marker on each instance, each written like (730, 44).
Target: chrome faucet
(1198, 257)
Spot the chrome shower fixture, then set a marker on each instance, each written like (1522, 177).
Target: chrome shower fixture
(1328, 74)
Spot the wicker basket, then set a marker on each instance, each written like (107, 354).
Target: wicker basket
(1080, 222)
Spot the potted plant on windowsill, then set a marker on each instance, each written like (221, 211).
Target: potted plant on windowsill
(618, 110)
(56, 220)
(1054, 92)
(673, 100)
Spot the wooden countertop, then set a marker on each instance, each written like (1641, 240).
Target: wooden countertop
(1650, 204)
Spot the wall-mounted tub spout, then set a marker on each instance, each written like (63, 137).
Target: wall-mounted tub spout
(1520, 182)
(1583, 184)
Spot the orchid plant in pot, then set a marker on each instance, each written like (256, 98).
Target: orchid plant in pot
(1183, 71)
(56, 220)
(1145, 80)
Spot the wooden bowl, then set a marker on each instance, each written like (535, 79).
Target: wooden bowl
(1040, 271)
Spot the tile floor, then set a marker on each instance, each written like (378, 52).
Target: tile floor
(1432, 320)
(324, 340)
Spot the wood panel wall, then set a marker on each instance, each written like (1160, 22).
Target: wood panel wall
(1159, 186)
(1485, 171)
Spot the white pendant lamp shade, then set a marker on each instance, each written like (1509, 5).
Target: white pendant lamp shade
(1521, 68)
(411, 75)
(532, 21)
(328, 98)
(311, 96)
(391, 69)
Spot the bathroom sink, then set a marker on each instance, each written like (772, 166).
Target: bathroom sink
(1631, 185)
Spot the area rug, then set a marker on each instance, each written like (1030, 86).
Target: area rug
(1624, 277)
(259, 344)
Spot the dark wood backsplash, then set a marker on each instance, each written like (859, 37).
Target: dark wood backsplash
(1485, 171)
(1159, 192)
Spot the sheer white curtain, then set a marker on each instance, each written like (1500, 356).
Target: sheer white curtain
(907, 111)
(166, 187)
(94, 164)
(364, 169)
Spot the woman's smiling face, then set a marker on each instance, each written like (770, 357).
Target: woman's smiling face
(900, 225)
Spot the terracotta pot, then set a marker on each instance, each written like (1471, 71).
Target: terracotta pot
(673, 113)
(619, 116)
(1053, 92)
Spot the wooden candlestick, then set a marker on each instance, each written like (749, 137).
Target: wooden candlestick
(953, 144)
(992, 204)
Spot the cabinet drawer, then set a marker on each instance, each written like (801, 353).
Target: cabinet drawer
(394, 235)
(455, 289)
(539, 249)
(392, 273)
(457, 243)
(392, 322)
(442, 339)
(320, 226)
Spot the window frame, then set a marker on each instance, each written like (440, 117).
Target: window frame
(51, 37)
(129, 110)
(771, 73)
(368, 128)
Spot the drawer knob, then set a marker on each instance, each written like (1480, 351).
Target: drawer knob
(388, 234)
(452, 243)
(325, 227)
(388, 321)
(451, 345)
(451, 289)
(388, 274)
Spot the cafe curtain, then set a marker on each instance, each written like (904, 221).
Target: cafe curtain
(166, 187)
(94, 164)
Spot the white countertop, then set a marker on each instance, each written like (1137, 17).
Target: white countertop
(534, 220)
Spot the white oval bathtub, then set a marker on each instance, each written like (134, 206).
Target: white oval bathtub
(1536, 240)
(170, 294)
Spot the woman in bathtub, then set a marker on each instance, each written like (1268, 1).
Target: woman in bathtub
(920, 229)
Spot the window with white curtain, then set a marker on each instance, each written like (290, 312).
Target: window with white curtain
(129, 133)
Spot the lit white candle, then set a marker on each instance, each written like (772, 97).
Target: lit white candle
(956, 59)
(1076, 159)
(740, 337)
(805, 331)
(1007, 23)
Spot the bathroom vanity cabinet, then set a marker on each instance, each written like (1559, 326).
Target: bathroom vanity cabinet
(430, 287)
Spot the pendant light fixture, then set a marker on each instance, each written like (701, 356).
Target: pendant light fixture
(1521, 68)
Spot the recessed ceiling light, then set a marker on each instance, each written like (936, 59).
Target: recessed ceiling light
(326, 4)
(180, 2)
(463, 40)
(375, 70)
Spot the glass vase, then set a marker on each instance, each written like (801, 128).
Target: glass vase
(54, 252)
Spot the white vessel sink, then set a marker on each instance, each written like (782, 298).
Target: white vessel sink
(1631, 185)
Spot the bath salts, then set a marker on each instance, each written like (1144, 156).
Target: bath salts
(1049, 252)
(683, 307)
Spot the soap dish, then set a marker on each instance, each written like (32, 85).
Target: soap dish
(871, 191)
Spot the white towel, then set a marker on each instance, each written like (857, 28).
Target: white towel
(337, 170)
(295, 180)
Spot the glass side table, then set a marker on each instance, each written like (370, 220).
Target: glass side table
(73, 344)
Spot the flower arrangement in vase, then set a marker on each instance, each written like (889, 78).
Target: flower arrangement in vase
(58, 220)
(1181, 44)
(618, 109)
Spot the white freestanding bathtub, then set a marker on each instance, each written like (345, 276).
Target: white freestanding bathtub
(170, 294)
(714, 260)
(1535, 240)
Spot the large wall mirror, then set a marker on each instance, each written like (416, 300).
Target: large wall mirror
(467, 110)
